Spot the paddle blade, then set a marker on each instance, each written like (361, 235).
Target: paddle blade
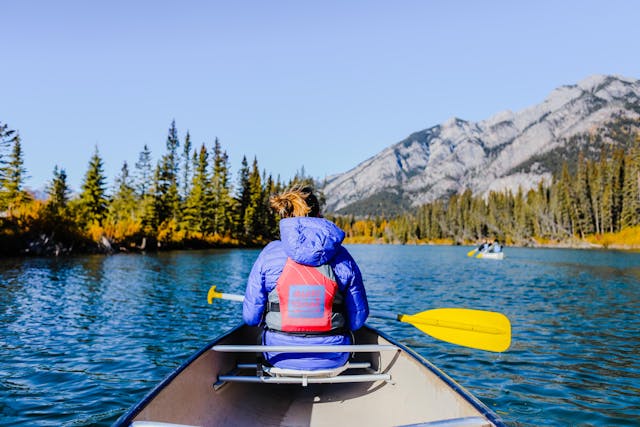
(213, 294)
(471, 252)
(484, 330)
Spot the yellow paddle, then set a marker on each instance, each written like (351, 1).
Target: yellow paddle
(484, 330)
(472, 251)
(215, 294)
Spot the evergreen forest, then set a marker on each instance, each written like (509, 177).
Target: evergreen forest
(187, 198)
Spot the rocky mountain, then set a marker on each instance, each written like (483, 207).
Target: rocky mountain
(505, 151)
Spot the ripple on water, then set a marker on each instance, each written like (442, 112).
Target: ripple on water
(84, 338)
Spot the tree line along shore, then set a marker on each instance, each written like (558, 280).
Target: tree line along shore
(188, 199)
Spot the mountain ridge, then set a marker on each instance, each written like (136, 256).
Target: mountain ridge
(490, 155)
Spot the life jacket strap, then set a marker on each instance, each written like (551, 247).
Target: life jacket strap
(336, 331)
(336, 307)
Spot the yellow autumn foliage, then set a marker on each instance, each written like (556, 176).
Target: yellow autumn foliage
(360, 240)
(123, 230)
(169, 232)
(628, 238)
(217, 239)
(443, 241)
(95, 231)
(25, 215)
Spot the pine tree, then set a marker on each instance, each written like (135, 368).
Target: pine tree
(533, 206)
(596, 188)
(253, 226)
(124, 205)
(567, 214)
(583, 199)
(617, 182)
(543, 211)
(520, 230)
(478, 213)
(221, 191)
(630, 215)
(271, 222)
(7, 138)
(495, 213)
(58, 191)
(453, 215)
(438, 220)
(606, 198)
(243, 196)
(186, 166)
(144, 172)
(14, 175)
(144, 186)
(93, 199)
(466, 218)
(198, 206)
(167, 199)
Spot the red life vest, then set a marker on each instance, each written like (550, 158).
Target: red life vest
(305, 296)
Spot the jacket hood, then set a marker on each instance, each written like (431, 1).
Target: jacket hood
(309, 240)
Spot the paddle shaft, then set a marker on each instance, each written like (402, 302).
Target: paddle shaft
(231, 297)
(401, 317)
(479, 329)
(240, 298)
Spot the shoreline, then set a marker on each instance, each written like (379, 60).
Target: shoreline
(570, 244)
(55, 250)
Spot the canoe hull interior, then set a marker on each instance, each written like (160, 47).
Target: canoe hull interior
(418, 393)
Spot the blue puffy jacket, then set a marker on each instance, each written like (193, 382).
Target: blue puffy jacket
(310, 241)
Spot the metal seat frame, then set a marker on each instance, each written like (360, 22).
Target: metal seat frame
(302, 377)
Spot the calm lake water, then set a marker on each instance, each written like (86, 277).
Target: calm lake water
(84, 338)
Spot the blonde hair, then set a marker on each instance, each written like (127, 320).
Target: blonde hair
(291, 202)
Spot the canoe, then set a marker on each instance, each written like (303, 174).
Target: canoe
(490, 255)
(386, 384)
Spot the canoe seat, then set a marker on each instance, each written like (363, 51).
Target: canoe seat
(283, 372)
(269, 374)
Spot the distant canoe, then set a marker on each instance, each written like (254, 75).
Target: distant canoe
(386, 384)
(490, 255)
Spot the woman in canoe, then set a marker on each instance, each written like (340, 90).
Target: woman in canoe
(305, 289)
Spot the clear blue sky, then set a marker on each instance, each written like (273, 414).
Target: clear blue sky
(320, 84)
